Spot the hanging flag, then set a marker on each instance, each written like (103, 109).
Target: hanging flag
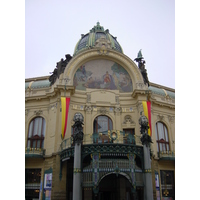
(65, 109)
(147, 113)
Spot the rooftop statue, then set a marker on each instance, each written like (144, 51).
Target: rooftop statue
(141, 66)
(60, 67)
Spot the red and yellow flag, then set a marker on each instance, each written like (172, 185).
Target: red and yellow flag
(147, 113)
(65, 109)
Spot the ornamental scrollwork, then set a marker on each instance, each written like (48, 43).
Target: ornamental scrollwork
(88, 108)
(38, 112)
(128, 119)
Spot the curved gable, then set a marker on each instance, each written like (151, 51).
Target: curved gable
(90, 69)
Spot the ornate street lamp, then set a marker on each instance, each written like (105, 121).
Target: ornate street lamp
(146, 140)
(78, 129)
(77, 139)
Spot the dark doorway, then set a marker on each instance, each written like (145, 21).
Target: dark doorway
(115, 187)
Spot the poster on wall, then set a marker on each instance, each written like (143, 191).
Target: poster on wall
(157, 186)
(47, 181)
(47, 184)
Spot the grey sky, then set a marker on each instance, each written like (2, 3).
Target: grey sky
(53, 27)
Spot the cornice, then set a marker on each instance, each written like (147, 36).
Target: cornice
(48, 94)
(37, 78)
(164, 104)
(162, 87)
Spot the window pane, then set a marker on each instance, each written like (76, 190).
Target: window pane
(161, 147)
(166, 134)
(38, 144)
(28, 144)
(39, 126)
(102, 124)
(157, 146)
(35, 129)
(161, 131)
(167, 147)
(34, 144)
(156, 132)
(43, 127)
(110, 124)
(30, 129)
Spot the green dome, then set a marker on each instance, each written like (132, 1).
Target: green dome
(88, 40)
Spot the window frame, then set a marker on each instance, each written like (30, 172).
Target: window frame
(35, 137)
(164, 142)
(104, 137)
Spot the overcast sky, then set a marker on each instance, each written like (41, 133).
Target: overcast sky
(53, 27)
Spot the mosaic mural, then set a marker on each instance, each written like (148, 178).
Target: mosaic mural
(102, 74)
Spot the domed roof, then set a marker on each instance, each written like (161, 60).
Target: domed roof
(88, 40)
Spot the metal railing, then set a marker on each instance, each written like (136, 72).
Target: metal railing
(166, 154)
(102, 138)
(34, 151)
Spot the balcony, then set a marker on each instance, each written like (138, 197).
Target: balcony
(114, 145)
(166, 155)
(34, 152)
(110, 137)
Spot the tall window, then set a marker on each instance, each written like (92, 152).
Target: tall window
(162, 137)
(101, 126)
(36, 133)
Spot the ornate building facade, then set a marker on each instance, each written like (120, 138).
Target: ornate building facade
(104, 86)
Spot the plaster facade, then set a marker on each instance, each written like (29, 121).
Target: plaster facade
(123, 108)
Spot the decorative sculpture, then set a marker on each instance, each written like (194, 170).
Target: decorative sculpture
(141, 66)
(78, 129)
(60, 67)
(145, 139)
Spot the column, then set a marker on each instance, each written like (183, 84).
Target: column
(77, 139)
(147, 174)
(146, 140)
(77, 190)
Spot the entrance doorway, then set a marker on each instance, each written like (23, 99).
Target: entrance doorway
(115, 187)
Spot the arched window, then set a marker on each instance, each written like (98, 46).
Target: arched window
(162, 137)
(101, 126)
(36, 133)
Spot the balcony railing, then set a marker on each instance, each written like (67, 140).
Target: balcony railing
(166, 155)
(34, 152)
(112, 137)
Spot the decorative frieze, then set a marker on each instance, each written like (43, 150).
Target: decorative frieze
(38, 112)
(117, 110)
(88, 98)
(77, 107)
(130, 109)
(171, 118)
(102, 111)
(140, 85)
(160, 117)
(139, 107)
(117, 99)
(88, 108)
(26, 112)
(53, 107)
(128, 120)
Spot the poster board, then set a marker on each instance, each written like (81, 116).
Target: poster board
(47, 184)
